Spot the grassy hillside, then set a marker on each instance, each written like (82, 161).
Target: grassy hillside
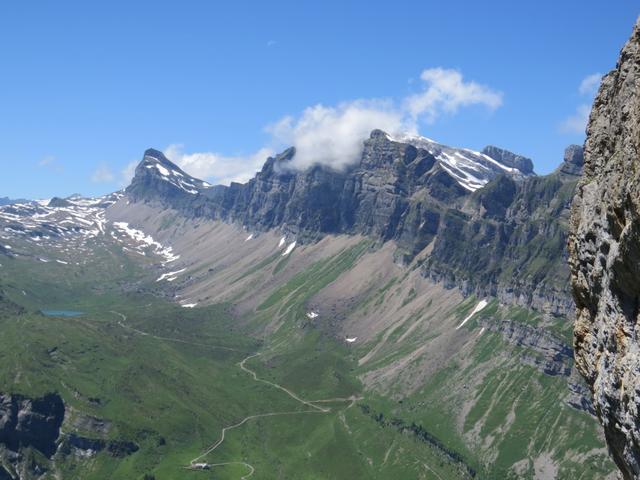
(169, 379)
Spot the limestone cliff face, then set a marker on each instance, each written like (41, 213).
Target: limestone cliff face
(506, 238)
(604, 251)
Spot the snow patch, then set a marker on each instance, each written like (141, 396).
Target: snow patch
(471, 169)
(147, 241)
(350, 339)
(481, 304)
(170, 276)
(163, 171)
(177, 179)
(289, 249)
(312, 315)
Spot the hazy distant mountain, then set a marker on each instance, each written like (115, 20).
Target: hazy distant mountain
(9, 201)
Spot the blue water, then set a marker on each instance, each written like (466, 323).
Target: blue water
(61, 313)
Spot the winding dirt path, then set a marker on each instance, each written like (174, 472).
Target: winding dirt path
(280, 387)
(168, 339)
(242, 364)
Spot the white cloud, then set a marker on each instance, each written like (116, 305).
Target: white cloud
(102, 174)
(50, 162)
(217, 168)
(590, 83)
(577, 123)
(127, 173)
(333, 136)
(445, 92)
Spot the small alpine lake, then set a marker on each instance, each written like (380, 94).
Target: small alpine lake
(61, 313)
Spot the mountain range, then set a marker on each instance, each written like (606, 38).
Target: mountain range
(490, 225)
(411, 312)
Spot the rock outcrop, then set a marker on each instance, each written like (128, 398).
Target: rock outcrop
(546, 352)
(85, 447)
(605, 258)
(26, 422)
(509, 159)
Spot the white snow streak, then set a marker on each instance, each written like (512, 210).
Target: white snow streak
(481, 304)
(170, 276)
(289, 249)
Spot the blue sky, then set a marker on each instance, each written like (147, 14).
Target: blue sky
(86, 87)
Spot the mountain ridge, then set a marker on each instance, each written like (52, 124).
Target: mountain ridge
(406, 193)
(428, 169)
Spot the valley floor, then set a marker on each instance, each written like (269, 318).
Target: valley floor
(238, 360)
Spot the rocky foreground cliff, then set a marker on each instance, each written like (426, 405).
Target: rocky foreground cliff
(605, 258)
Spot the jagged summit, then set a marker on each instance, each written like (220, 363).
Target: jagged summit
(471, 169)
(279, 162)
(573, 160)
(156, 173)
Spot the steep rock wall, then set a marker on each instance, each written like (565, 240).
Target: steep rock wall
(604, 251)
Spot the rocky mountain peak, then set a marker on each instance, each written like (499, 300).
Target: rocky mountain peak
(9, 201)
(156, 175)
(279, 163)
(58, 202)
(574, 154)
(471, 169)
(158, 163)
(510, 159)
(573, 160)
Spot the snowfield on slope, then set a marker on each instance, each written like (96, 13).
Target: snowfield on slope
(289, 249)
(481, 304)
(471, 169)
